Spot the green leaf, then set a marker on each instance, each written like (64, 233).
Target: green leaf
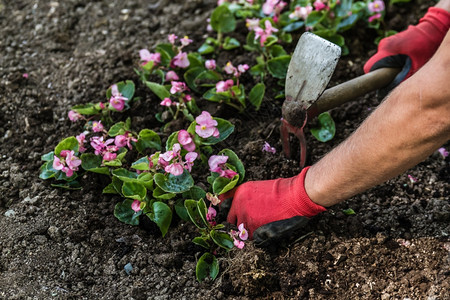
(252, 44)
(234, 160)
(347, 23)
(190, 75)
(314, 18)
(256, 95)
(194, 214)
(92, 163)
(344, 7)
(161, 215)
(48, 156)
(158, 89)
(71, 185)
(142, 164)
(258, 70)
(167, 53)
(195, 193)
(181, 210)
(222, 185)
(202, 241)
(110, 189)
(86, 109)
(211, 95)
(70, 143)
(348, 211)
(230, 43)
(174, 184)
(134, 190)
(46, 170)
(206, 49)
(222, 239)
(207, 265)
(293, 26)
(147, 180)
(126, 88)
(125, 175)
(277, 50)
(125, 213)
(148, 139)
(118, 129)
(222, 20)
(326, 130)
(195, 60)
(278, 66)
(207, 78)
(159, 193)
(202, 210)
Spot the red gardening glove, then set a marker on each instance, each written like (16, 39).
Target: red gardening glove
(412, 48)
(272, 208)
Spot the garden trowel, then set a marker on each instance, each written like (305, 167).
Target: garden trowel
(309, 73)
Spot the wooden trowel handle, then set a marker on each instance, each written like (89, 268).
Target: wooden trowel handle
(353, 89)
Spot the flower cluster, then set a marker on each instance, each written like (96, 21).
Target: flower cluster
(172, 161)
(260, 33)
(242, 234)
(273, 7)
(375, 8)
(217, 164)
(67, 163)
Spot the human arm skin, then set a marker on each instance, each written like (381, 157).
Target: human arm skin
(444, 4)
(409, 125)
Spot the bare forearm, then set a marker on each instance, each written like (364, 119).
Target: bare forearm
(411, 123)
(444, 4)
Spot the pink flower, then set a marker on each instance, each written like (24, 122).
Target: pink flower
(210, 215)
(319, 5)
(269, 29)
(72, 161)
(216, 162)
(223, 86)
(177, 87)
(374, 17)
(239, 244)
(243, 233)
(206, 125)
(97, 126)
(25, 75)
(210, 64)
(100, 147)
(57, 163)
(412, 179)
(242, 68)
(252, 24)
(187, 98)
(136, 205)
(301, 12)
(185, 139)
(443, 152)
(208, 26)
(220, 2)
(190, 157)
(175, 169)
(74, 116)
(81, 138)
(146, 57)
(375, 6)
(229, 68)
(120, 141)
(108, 156)
(181, 60)
(268, 148)
(171, 75)
(214, 199)
(269, 6)
(172, 38)
(185, 41)
(117, 100)
(166, 102)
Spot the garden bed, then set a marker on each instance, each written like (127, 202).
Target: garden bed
(68, 244)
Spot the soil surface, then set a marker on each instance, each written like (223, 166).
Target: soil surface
(68, 245)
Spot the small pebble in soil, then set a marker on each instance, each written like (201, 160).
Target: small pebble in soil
(128, 268)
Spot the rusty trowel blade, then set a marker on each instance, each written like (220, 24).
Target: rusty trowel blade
(310, 69)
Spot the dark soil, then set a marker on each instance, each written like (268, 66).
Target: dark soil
(68, 245)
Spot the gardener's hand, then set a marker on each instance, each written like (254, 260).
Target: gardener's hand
(412, 48)
(272, 209)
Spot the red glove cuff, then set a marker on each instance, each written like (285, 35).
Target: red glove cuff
(302, 205)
